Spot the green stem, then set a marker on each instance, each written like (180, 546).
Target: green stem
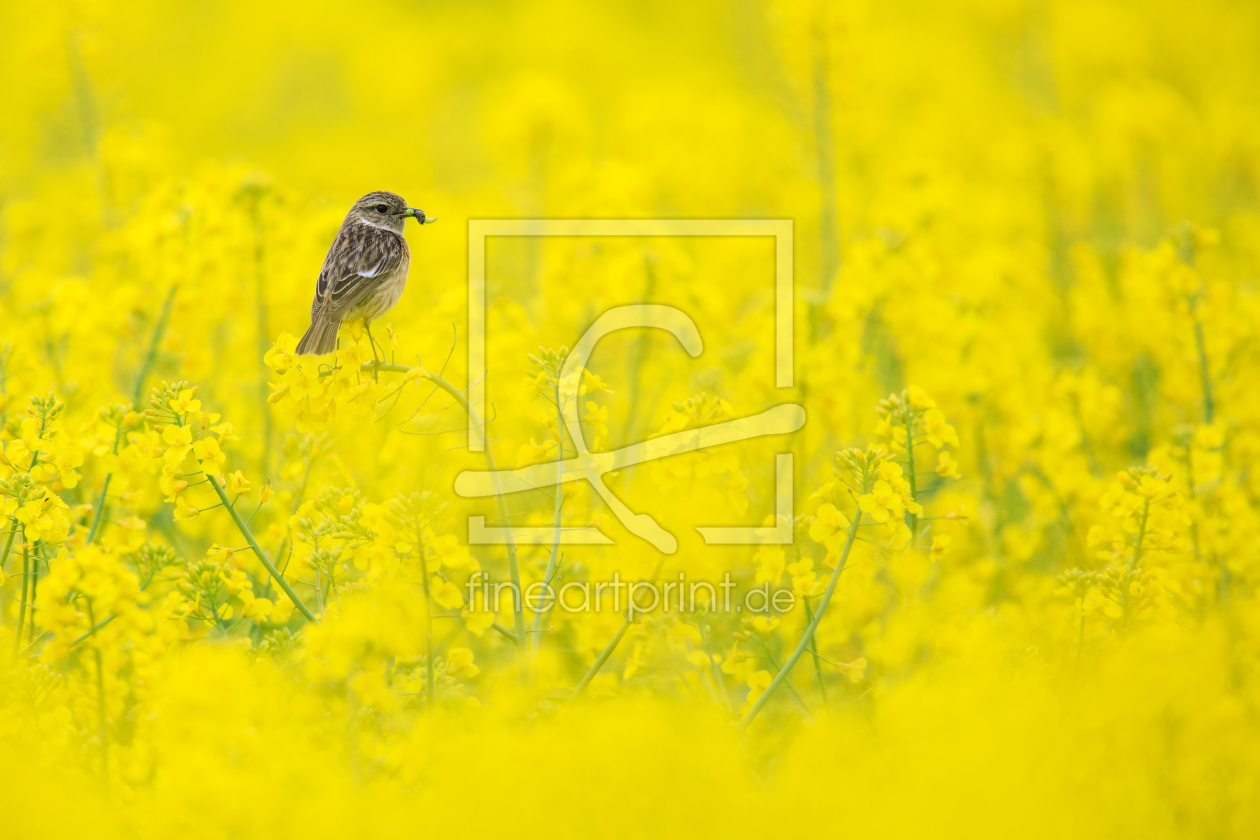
(26, 577)
(159, 329)
(813, 625)
(555, 539)
(36, 641)
(1137, 547)
(518, 602)
(100, 696)
(603, 656)
(8, 544)
(818, 672)
(716, 674)
(913, 519)
(1194, 525)
(34, 596)
(214, 613)
(612, 643)
(253, 543)
(43, 425)
(99, 513)
(297, 503)
(499, 628)
(104, 621)
(796, 695)
(97, 626)
(1086, 445)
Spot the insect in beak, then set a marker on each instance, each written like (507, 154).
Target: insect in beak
(419, 216)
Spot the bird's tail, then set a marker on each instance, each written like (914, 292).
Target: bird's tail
(320, 338)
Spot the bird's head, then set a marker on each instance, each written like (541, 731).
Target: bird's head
(386, 210)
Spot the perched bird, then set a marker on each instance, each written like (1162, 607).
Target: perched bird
(365, 270)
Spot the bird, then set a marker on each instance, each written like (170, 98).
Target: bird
(364, 272)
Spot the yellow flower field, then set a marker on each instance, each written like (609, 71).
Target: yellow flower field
(1009, 401)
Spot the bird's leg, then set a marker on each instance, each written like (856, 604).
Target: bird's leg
(367, 325)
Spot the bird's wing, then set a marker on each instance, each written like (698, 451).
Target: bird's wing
(360, 258)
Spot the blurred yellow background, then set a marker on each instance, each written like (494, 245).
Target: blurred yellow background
(1027, 235)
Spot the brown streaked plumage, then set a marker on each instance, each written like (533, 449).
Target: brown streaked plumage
(365, 270)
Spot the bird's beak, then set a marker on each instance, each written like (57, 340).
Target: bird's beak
(419, 216)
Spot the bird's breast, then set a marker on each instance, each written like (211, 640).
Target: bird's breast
(386, 294)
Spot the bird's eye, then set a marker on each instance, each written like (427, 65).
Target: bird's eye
(382, 208)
